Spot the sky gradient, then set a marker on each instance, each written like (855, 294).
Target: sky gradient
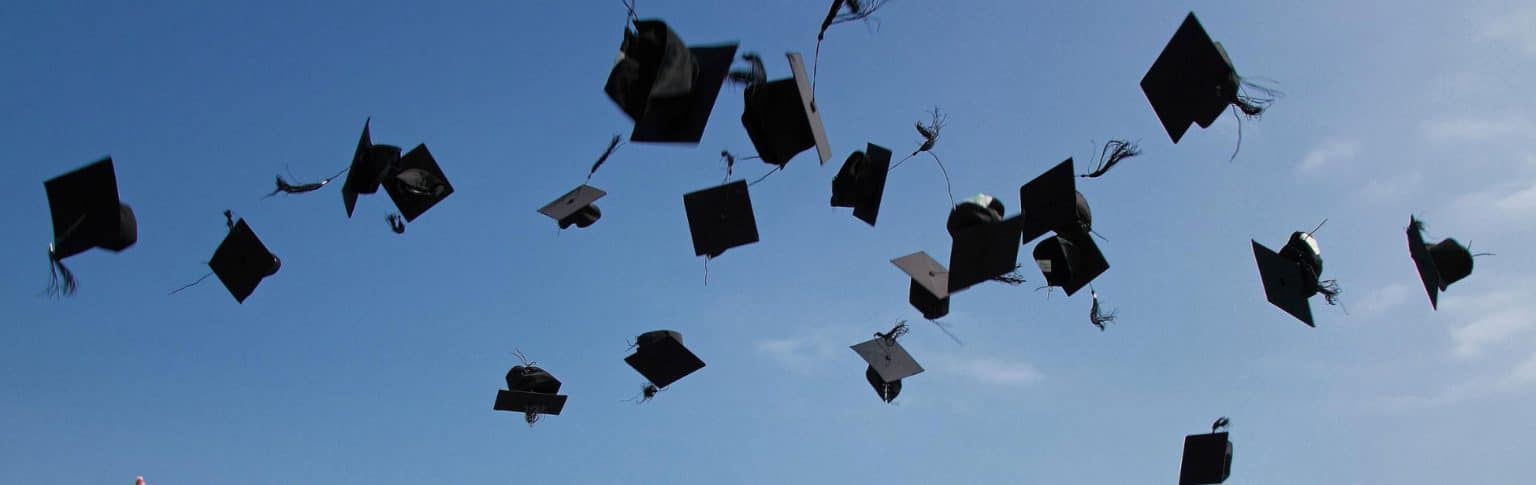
(374, 358)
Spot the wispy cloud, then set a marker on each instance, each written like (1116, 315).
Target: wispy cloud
(801, 353)
(1500, 316)
(1379, 301)
(992, 371)
(1518, 28)
(1329, 153)
(1467, 129)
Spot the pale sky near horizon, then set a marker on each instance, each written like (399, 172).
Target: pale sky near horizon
(374, 358)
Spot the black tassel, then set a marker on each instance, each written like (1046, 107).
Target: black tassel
(647, 392)
(1097, 316)
(754, 75)
(229, 219)
(284, 187)
(612, 145)
(1251, 107)
(192, 284)
(61, 281)
(1111, 154)
(396, 223)
(1330, 290)
(857, 10)
(896, 332)
(1221, 423)
(1013, 277)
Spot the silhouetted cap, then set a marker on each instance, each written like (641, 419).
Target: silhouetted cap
(886, 390)
(417, 183)
(662, 359)
(781, 120)
(720, 218)
(531, 390)
(1192, 81)
(370, 164)
(1207, 459)
(929, 292)
(1439, 264)
(666, 87)
(984, 245)
(86, 211)
(860, 184)
(1049, 202)
(1286, 284)
(1070, 260)
(242, 261)
(575, 207)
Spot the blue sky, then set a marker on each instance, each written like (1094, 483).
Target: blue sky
(372, 358)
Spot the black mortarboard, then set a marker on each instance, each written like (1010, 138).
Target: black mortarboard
(1207, 459)
(1192, 81)
(781, 118)
(530, 390)
(575, 207)
(860, 184)
(86, 211)
(889, 363)
(1286, 284)
(929, 292)
(242, 261)
(720, 218)
(1070, 260)
(662, 359)
(983, 252)
(1439, 264)
(417, 183)
(886, 390)
(666, 87)
(370, 164)
(1049, 202)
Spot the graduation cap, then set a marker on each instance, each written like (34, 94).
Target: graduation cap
(1070, 260)
(889, 363)
(1207, 459)
(1291, 276)
(1439, 264)
(370, 164)
(781, 119)
(662, 359)
(242, 261)
(86, 214)
(1049, 202)
(860, 184)
(929, 291)
(575, 207)
(666, 87)
(985, 246)
(720, 218)
(530, 390)
(417, 183)
(1193, 81)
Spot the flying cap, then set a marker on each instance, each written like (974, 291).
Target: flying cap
(242, 261)
(781, 120)
(860, 184)
(666, 87)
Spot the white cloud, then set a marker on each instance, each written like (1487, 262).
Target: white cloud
(1494, 327)
(1381, 300)
(1330, 153)
(1517, 27)
(1478, 129)
(992, 371)
(796, 353)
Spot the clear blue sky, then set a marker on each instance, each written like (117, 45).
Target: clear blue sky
(372, 358)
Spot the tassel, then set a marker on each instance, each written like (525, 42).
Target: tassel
(396, 223)
(612, 145)
(647, 392)
(1330, 290)
(192, 284)
(1111, 154)
(754, 75)
(284, 187)
(229, 219)
(1220, 424)
(1013, 277)
(1097, 316)
(1252, 107)
(896, 332)
(61, 281)
(944, 327)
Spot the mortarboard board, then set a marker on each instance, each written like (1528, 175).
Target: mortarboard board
(661, 357)
(1192, 80)
(1207, 459)
(860, 184)
(1285, 283)
(86, 211)
(666, 87)
(1439, 264)
(888, 358)
(929, 292)
(417, 183)
(1049, 202)
(532, 403)
(781, 119)
(242, 261)
(983, 252)
(1070, 260)
(720, 218)
(575, 207)
(370, 163)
